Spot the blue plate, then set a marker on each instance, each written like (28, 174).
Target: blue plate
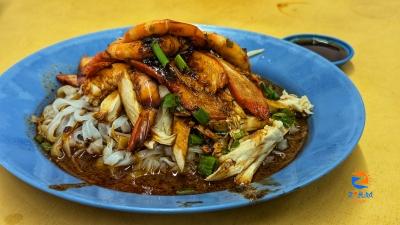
(335, 127)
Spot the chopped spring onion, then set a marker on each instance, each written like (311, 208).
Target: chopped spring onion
(195, 139)
(225, 151)
(39, 138)
(286, 116)
(237, 134)
(255, 52)
(269, 92)
(170, 101)
(235, 144)
(180, 62)
(202, 116)
(207, 165)
(46, 146)
(186, 191)
(159, 53)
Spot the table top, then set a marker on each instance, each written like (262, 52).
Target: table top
(372, 28)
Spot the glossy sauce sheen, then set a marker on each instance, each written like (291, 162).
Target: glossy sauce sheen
(328, 50)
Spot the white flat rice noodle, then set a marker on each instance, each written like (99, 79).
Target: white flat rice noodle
(66, 91)
(56, 122)
(116, 158)
(79, 117)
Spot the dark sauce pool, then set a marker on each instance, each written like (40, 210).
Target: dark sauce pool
(328, 50)
(170, 184)
(87, 168)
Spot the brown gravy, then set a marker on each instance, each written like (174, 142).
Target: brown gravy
(64, 187)
(171, 184)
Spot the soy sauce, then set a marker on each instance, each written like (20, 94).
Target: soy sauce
(330, 51)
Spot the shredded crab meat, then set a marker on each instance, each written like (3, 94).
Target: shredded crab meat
(283, 144)
(261, 143)
(121, 123)
(302, 104)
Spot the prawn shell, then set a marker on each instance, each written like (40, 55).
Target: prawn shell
(142, 129)
(146, 90)
(163, 27)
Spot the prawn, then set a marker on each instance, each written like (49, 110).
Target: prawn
(164, 27)
(149, 97)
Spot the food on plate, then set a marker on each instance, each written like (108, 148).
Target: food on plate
(170, 109)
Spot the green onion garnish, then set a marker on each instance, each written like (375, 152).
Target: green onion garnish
(180, 62)
(159, 53)
(225, 151)
(235, 144)
(170, 101)
(269, 92)
(286, 116)
(202, 116)
(46, 146)
(255, 52)
(186, 191)
(237, 134)
(195, 139)
(207, 165)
